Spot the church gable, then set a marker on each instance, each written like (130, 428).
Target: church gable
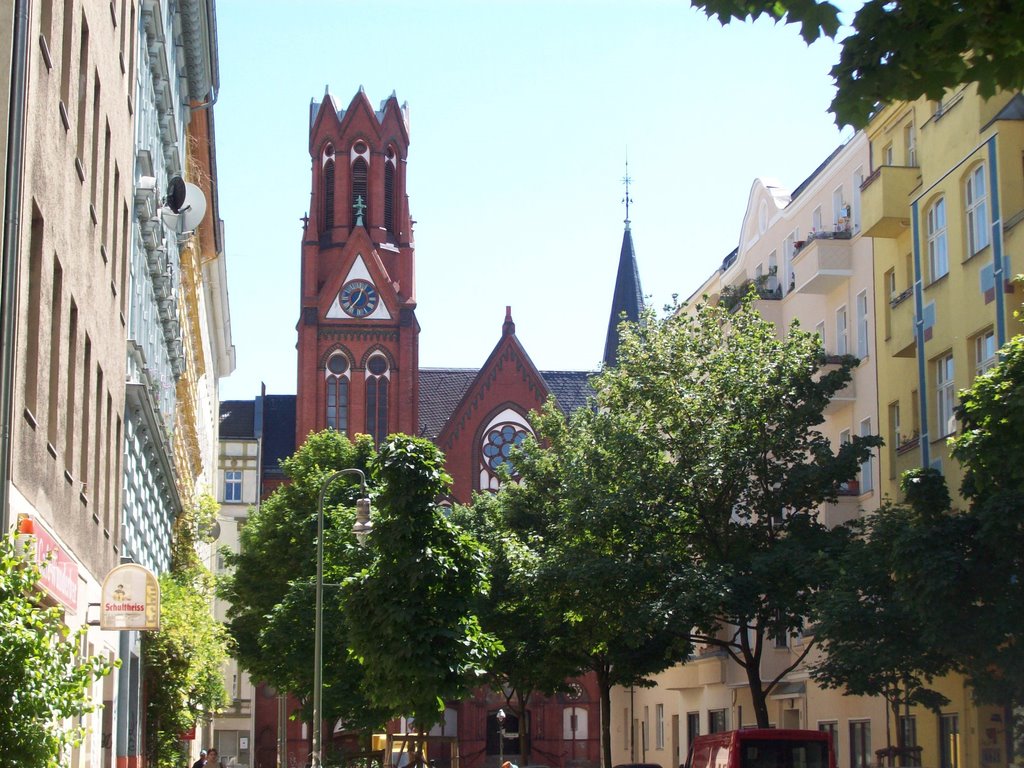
(362, 291)
(491, 417)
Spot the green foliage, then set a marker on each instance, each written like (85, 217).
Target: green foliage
(44, 682)
(991, 581)
(874, 637)
(903, 49)
(184, 657)
(271, 581)
(735, 468)
(412, 625)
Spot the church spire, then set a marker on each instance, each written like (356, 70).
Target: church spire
(628, 299)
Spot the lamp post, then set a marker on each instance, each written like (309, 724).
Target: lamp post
(500, 717)
(361, 529)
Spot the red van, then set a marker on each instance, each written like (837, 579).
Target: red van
(762, 748)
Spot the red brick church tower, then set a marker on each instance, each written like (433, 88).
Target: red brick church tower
(358, 338)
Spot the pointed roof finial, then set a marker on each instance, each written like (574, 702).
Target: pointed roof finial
(627, 199)
(508, 328)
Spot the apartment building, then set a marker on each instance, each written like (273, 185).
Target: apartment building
(805, 254)
(943, 203)
(119, 317)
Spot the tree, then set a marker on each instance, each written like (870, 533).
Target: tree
(184, 657)
(869, 628)
(44, 682)
(588, 501)
(903, 49)
(272, 577)
(411, 624)
(989, 583)
(534, 657)
(734, 408)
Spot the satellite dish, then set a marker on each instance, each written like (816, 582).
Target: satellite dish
(186, 206)
(175, 193)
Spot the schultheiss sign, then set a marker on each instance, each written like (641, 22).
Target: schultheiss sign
(130, 599)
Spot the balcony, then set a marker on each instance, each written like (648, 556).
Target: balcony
(845, 396)
(902, 341)
(823, 263)
(885, 200)
(707, 668)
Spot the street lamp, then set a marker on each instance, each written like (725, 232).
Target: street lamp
(361, 529)
(500, 717)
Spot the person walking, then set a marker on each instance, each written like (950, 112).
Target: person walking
(213, 759)
(201, 761)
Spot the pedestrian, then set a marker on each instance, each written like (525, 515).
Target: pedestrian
(213, 759)
(201, 761)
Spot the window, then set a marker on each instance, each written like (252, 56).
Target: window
(910, 139)
(337, 379)
(944, 395)
(858, 179)
(716, 721)
(938, 255)
(574, 724)
(839, 211)
(887, 155)
(233, 485)
(860, 744)
(692, 728)
(788, 249)
(327, 222)
(866, 471)
(820, 330)
(984, 352)
(908, 729)
(831, 727)
(360, 201)
(389, 191)
(377, 378)
(659, 726)
(863, 324)
(949, 741)
(647, 728)
(816, 220)
(976, 208)
(842, 339)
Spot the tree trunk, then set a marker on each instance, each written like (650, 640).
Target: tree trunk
(752, 664)
(603, 674)
(525, 727)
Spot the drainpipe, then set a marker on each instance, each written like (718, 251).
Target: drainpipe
(9, 256)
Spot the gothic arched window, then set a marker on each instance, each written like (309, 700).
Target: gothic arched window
(328, 191)
(337, 375)
(360, 201)
(389, 191)
(504, 432)
(377, 379)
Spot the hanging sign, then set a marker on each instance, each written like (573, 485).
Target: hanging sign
(59, 572)
(130, 599)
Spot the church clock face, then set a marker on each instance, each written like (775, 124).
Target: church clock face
(358, 298)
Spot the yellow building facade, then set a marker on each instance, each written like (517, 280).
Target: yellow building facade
(900, 249)
(943, 203)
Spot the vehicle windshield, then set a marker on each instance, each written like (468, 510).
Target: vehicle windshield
(769, 753)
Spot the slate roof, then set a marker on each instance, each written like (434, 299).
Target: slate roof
(571, 388)
(236, 419)
(441, 389)
(278, 431)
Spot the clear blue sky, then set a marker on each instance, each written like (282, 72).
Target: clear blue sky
(521, 116)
